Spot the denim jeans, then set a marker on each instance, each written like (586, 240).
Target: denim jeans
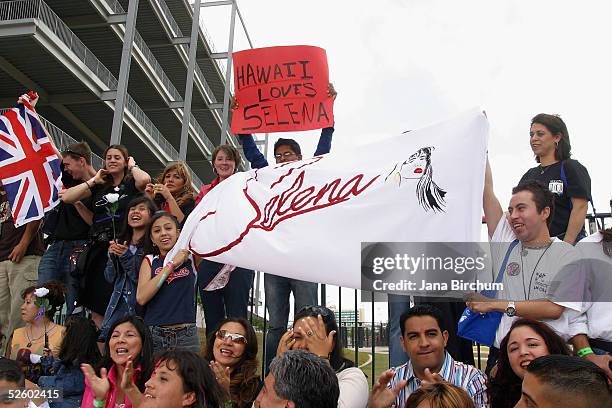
(277, 290)
(230, 301)
(55, 264)
(398, 304)
(171, 338)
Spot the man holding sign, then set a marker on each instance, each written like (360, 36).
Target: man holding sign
(282, 89)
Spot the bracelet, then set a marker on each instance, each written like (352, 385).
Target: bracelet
(171, 265)
(99, 404)
(584, 352)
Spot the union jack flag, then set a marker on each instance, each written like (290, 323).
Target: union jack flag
(29, 167)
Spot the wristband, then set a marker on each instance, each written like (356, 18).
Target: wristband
(99, 404)
(584, 352)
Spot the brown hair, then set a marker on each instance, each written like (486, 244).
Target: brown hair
(504, 387)
(125, 154)
(556, 126)
(187, 192)
(55, 296)
(229, 150)
(441, 395)
(78, 150)
(244, 381)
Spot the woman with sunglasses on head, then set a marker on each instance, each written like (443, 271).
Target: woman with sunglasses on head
(173, 191)
(315, 330)
(111, 189)
(566, 178)
(223, 296)
(232, 352)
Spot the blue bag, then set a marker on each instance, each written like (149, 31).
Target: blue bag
(481, 327)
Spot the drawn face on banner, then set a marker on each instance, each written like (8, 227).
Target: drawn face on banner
(418, 167)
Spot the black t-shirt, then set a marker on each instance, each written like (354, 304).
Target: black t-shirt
(68, 223)
(102, 228)
(578, 186)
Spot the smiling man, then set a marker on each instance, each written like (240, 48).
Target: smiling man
(526, 260)
(424, 340)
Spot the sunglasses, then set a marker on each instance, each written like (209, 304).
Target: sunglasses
(316, 310)
(234, 337)
(286, 154)
(68, 151)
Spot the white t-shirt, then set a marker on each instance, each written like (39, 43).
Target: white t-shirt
(530, 274)
(596, 321)
(354, 388)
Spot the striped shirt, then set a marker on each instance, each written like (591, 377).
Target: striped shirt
(462, 375)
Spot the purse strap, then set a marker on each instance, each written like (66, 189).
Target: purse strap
(500, 275)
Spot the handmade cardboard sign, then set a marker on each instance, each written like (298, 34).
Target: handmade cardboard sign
(281, 89)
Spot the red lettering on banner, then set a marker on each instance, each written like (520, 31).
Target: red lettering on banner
(281, 89)
(297, 199)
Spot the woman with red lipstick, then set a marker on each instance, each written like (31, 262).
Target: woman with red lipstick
(173, 191)
(129, 342)
(232, 298)
(566, 178)
(526, 341)
(232, 352)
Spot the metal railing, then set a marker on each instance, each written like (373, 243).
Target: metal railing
(37, 9)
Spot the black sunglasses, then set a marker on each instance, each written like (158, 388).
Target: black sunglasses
(68, 151)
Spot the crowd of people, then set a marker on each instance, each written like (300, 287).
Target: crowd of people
(130, 338)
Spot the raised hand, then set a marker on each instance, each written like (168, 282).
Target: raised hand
(317, 341)
(99, 385)
(382, 396)
(222, 374)
(181, 256)
(286, 342)
(117, 248)
(163, 190)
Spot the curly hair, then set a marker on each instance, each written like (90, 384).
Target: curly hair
(505, 386)
(244, 381)
(187, 192)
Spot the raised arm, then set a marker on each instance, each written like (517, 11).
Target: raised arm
(324, 145)
(148, 286)
(251, 152)
(83, 190)
(141, 177)
(490, 204)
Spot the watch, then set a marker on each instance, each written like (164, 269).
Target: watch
(511, 309)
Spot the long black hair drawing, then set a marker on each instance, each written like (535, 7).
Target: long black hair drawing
(418, 167)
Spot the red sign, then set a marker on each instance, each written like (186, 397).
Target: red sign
(281, 89)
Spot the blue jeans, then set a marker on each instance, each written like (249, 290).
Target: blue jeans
(277, 290)
(230, 301)
(171, 338)
(398, 304)
(55, 264)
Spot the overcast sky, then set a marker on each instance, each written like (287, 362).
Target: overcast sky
(399, 65)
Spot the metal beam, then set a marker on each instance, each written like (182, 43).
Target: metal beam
(217, 3)
(124, 71)
(193, 48)
(23, 79)
(228, 73)
(218, 55)
(121, 18)
(86, 20)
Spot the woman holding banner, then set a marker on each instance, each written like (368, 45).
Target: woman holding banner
(224, 289)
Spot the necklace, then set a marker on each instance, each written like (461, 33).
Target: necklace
(524, 248)
(32, 340)
(525, 293)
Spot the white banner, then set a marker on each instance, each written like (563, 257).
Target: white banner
(306, 220)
